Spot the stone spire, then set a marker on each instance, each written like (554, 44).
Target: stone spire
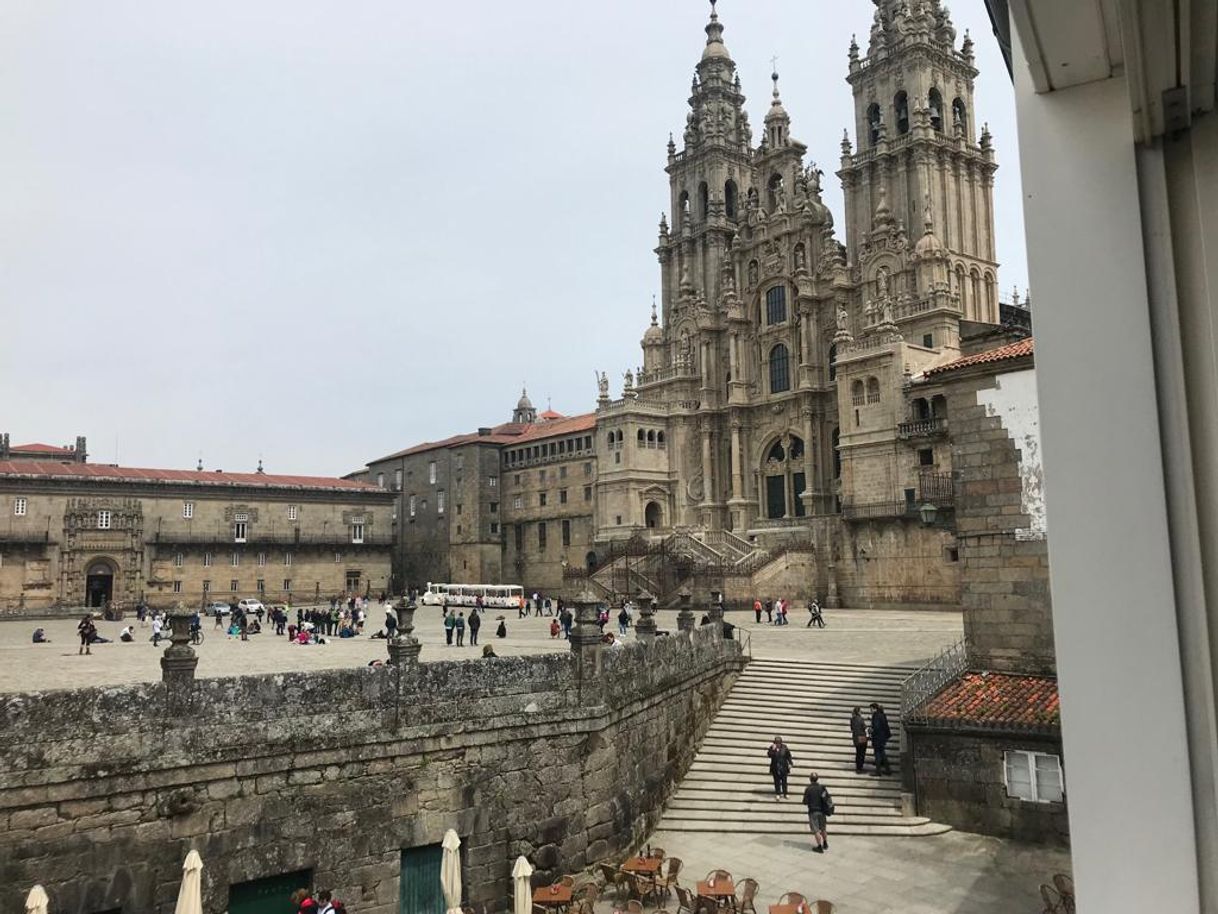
(777, 121)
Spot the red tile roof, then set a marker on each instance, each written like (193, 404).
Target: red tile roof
(550, 414)
(1001, 354)
(507, 433)
(95, 472)
(40, 449)
(996, 701)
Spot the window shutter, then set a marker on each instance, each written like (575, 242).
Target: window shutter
(1019, 776)
(1048, 778)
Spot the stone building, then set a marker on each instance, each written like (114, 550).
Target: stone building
(772, 415)
(510, 503)
(79, 534)
(983, 749)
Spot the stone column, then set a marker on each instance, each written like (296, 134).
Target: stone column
(733, 360)
(685, 616)
(586, 640)
(737, 468)
(404, 647)
(832, 600)
(707, 482)
(178, 664)
(809, 465)
(645, 628)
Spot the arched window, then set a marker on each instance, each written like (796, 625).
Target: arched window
(960, 290)
(651, 439)
(975, 294)
(619, 437)
(873, 390)
(858, 393)
(901, 103)
(642, 438)
(780, 372)
(797, 448)
(776, 453)
(729, 198)
(959, 116)
(652, 515)
(920, 408)
(774, 187)
(938, 406)
(836, 439)
(990, 304)
(611, 441)
(660, 440)
(833, 362)
(936, 109)
(703, 201)
(776, 305)
(682, 209)
(873, 123)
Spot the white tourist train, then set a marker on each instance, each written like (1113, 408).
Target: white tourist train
(503, 596)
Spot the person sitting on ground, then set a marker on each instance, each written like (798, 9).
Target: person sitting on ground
(555, 628)
(501, 631)
(488, 650)
(127, 635)
(40, 636)
(380, 634)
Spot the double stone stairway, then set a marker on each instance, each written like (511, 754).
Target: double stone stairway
(728, 787)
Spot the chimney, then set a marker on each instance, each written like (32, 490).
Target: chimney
(483, 432)
(82, 455)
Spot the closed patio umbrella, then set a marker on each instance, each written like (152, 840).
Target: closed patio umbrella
(190, 893)
(523, 895)
(450, 871)
(36, 902)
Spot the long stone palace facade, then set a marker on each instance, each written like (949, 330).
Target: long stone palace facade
(773, 443)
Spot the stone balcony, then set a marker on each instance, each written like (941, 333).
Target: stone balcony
(922, 428)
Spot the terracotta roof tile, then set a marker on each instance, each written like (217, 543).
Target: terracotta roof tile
(996, 701)
(557, 427)
(1001, 354)
(550, 414)
(40, 449)
(507, 433)
(101, 473)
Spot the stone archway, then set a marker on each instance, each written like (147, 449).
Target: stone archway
(100, 582)
(653, 515)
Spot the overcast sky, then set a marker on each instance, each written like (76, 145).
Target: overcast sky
(318, 232)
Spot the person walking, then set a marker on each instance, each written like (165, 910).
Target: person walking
(858, 735)
(757, 610)
(820, 807)
(880, 734)
(450, 623)
(459, 625)
(780, 766)
(391, 622)
(156, 630)
(86, 629)
(815, 617)
(623, 621)
(475, 623)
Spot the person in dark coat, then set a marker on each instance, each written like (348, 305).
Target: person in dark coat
(780, 766)
(858, 735)
(475, 623)
(880, 735)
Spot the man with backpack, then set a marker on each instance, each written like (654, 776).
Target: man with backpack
(820, 807)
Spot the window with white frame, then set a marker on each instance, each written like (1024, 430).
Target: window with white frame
(19, 506)
(261, 585)
(338, 558)
(397, 480)
(440, 502)
(103, 520)
(357, 533)
(206, 559)
(261, 558)
(292, 512)
(235, 560)
(517, 502)
(177, 586)
(287, 585)
(1033, 776)
(412, 506)
(207, 586)
(234, 585)
(188, 509)
(380, 480)
(239, 530)
(431, 472)
(492, 481)
(177, 560)
(287, 560)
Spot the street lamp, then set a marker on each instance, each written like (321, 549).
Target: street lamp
(928, 512)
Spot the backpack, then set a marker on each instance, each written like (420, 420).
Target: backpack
(826, 802)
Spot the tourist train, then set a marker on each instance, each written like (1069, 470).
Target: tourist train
(499, 595)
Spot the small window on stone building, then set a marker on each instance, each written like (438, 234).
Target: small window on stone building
(188, 509)
(873, 390)
(562, 496)
(206, 559)
(935, 98)
(780, 372)
(431, 472)
(562, 472)
(234, 585)
(516, 479)
(287, 558)
(357, 533)
(1035, 777)
(494, 528)
(492, 481)
(519, 537)
(235, 559)
(776, 305)
(423, 506)
(440, 502)
(517, 502)
(566, 533)
(460, 508)
(642, 438)
(928, 340)
(617, 457)
(858, 393)
(541, 499)
(287, 585)
(618, 520)
(587, 493)
(261, 585)
(660, 440)
(901, 103)
(207, 586)
(19, 507)
(292, 512)
(494, 507)
(177, 560)
(587, 469)
(412, 506)
(103, 520)
(459, 463)
(953, 554)
(397, 480)
(926, 457)
(873, 123)
(380, 480)
(177, 586)
(541, 536)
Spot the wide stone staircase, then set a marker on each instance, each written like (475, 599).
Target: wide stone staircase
(728, 787)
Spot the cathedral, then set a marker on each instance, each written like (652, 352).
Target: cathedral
(778, 368)
(781, 435)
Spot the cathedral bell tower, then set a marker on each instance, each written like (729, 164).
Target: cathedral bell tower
(919, 167)
(709, 177)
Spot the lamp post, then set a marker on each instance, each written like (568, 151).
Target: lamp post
(928, 513)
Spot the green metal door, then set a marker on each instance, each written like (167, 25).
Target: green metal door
(420, 890)
(272, 895)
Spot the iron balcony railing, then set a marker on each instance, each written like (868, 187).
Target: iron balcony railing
(927, 682)
(269, 539)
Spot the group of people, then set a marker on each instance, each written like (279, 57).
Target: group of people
(323, 902)
(816, 796)
(777, 611)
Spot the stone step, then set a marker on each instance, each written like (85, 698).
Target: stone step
(808, 738)
(772, 807)
(792, 684)
(842, 672)
(794, 721)
(793, 813)
(799, 774)
(899, 829)
(709, 788)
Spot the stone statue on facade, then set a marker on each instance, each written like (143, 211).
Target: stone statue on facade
(602, 385)
(628, 380)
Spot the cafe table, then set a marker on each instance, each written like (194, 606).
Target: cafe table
(555, 896)
(723, 892)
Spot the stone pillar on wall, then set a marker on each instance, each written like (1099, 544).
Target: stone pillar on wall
(685, 616)
(645, 628)
(715, 609)
(586, 637)
(178, 665)
(404, 647)
(810, 450)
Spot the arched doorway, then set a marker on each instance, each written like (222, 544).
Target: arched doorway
(99, 583)
(652, 515)
(590, 562)
(785, 480)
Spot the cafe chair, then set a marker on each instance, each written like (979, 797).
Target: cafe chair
(669, 881)
(748, 892)
(824, 907)
(657, 852)
(718, 874)
(1051, 900)
(568, 881)
(1065, 887)
(615, 879)
(792, 898)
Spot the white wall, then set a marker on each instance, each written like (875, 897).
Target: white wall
(1013, 399)
(1127, 772)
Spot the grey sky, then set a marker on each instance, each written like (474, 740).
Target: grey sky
(319, 232)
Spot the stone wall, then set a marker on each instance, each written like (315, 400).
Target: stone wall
(960, 781)
(567, 758)
(896, 563)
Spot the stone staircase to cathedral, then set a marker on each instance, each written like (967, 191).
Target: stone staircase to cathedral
(728, 787)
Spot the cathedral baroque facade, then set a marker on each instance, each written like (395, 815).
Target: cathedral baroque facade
(778, 368)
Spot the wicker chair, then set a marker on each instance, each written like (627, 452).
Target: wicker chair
(724, 901)
(568, 881)
(657, 852)
(669, 881)
(718, 874)
(1051, 900)
(634, 907)
(748, 892)
(615, 879)
(824, 907)
(688, 903)
(792, 898)
(1065, 887)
